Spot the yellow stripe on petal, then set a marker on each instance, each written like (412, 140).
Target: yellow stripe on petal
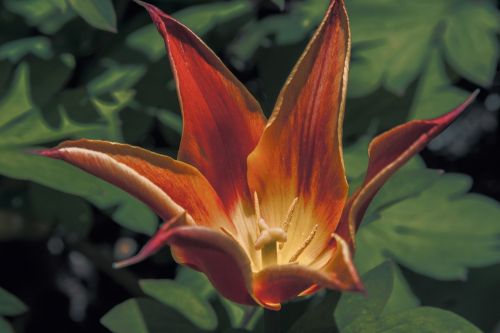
(300, 154)
(168, 186)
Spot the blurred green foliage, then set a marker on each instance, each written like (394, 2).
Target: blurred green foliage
(10, 305)
(64, 74)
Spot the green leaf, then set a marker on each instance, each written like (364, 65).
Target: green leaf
(201, 19)
(98, 13)
(124, 209)
(436, 93)
(73, 213)
(235, 311)
(170, 120)
(46, 15)
(471, 42)
(421, 320)
(379, 286)
(286, 29)
(279, 3)
(119, 77)
(376, 312)
(10, 305)
(5, 327)
(385, 294)
(195, 281)
(441, 232)
(201, 286)
(17, 101)
(392, 53)
(318, 318)
(183, 299)
(23, 129)
(140, 315)
(17, 49)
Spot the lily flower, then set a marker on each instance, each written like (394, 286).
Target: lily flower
(259, 206)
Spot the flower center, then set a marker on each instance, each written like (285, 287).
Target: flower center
(272, 239)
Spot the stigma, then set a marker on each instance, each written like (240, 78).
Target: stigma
(270, 240)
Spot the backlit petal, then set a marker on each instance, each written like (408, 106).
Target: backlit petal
(222, 120)
(168, 186)
(388, 152)
(299, 154)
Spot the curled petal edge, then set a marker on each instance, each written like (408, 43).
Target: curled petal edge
(277, 284)
(388, 152)
(211, 252)
(222, 121)
(168, 186)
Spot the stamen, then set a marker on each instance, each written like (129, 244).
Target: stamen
(224, 230)
(304, 245)
(288, 219)
(233, 237)
(256, 207)
(289, 214)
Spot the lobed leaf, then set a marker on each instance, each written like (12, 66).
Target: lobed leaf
(182, 299)
(140, 315)
(23, 129)
(441, 232)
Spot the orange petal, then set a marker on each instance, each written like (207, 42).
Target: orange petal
(168, 186)
(388, 152)
(218, 256)
(277, 284)
(222, 120)
(299, 154)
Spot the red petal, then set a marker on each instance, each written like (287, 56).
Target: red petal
(168, 186)
(156, 242)
(277, 284)
(222, 120)
(388, 152)
(222, 260)
(299, 154)
(218, 256)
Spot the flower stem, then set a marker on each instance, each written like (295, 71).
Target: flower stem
(272, 321)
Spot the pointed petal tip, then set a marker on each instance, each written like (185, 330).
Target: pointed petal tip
(128, 262)
(46, 152)
(359, 287)
(147, 251)
(142, 3)
(152, 9)
(452, 115)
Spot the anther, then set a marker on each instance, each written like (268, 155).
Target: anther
(288, 219)
(304, 245)
(256, 207)
(289, 214)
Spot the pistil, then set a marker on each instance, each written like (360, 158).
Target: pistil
(266, 242)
